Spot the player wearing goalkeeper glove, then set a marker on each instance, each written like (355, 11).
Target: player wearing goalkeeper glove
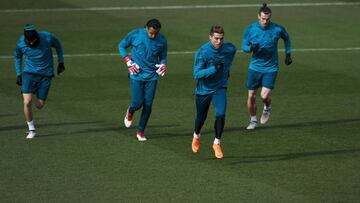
(38, 71)
(212, 66)
(261, 38)
(146, 65)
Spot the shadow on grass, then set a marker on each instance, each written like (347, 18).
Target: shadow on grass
(8, 115)
(117, 129)
(18, 127)
(310, 124)
(284, 157)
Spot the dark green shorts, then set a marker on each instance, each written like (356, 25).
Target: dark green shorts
(257, 79)
(36, 84)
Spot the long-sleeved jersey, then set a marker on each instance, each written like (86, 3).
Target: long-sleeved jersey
(206, 57)
(145, 52)
(266, 58)
(38, 60)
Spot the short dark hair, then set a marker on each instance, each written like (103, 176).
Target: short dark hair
(265, 9)
(154, 23)
(216, 29)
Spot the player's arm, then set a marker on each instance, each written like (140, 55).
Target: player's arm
(247, 46)
(285, 36)
(125, 43)
(133, 68)
(246, 42)
(55, 42)
(200, 68)
(18, 55)
(162, 68)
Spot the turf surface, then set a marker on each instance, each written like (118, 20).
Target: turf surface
(308, 152)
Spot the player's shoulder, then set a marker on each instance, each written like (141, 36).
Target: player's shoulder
(253, 25)
(135, 31)
(276, 26)
(45, 33)
(229, 47)
(161, 38)
(21, 42)
(203, 49)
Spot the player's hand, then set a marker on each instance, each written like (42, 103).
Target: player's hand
(288, 60)
(19, 80)
(133, 68)
(161, 69)
(60, 68)
(254, 47)
(219, 66)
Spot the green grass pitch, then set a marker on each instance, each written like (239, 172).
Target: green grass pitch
(308, 152)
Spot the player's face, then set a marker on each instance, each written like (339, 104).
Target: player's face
(152, 32)
(264, 19)
(32, 42)
(216, 40)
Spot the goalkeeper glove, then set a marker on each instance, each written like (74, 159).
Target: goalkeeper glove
(60, 68)
(161, 69)
(288, 60)
(133, 68)
(19, 80)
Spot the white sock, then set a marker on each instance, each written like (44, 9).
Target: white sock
(253, 119)
(31, 125)
(197, 136)
(267, 107)
(217, 141)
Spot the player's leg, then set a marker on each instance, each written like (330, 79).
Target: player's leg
(150, 89)
(27, 98)
(268, 82)
(42, 91)
(137, 99)
(29, 86)
(253, 83)
(202, 103)
(219, 101)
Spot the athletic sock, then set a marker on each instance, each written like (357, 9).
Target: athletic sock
(216, 141)
(267, 107)
(253, 119)
(31, 125)
(197, 136)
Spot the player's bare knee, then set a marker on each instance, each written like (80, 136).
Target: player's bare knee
(27, 102)
(265, 98)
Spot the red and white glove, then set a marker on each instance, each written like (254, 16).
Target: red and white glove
(133, 68)
(161, 69)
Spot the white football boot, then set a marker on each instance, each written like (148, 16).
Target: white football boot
(128, 119)
(252, 125)
(31, 134)
(265, 116)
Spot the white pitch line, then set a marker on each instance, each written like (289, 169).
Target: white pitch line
(177, 7)
(193, 52)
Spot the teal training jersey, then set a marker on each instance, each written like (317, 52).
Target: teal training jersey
(266, 58)
(208, 80)
(145, 52)
(38, 60)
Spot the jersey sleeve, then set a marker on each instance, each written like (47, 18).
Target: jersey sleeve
(55, 42)
(18, 56)
(200, 68)
(285, 36)
(246, 41)
(163, 54)
(125, 43)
